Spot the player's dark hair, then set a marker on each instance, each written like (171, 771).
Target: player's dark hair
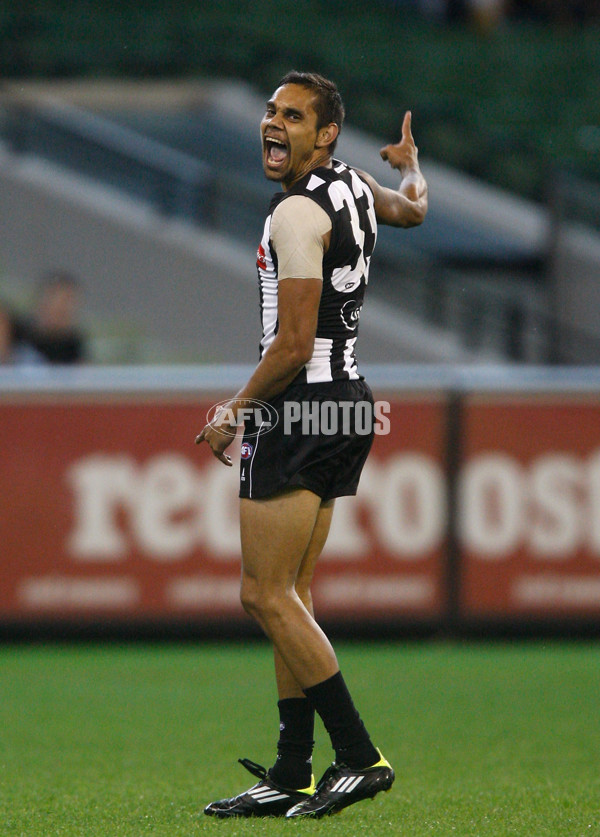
(328, 102)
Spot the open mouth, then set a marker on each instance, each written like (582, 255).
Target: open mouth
(277, 151)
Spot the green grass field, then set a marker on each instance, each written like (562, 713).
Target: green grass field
(108, 741)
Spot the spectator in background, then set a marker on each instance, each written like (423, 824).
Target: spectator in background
(54, 330)
(6, 335)
(557, 11)
(14, 350)
(484, 15)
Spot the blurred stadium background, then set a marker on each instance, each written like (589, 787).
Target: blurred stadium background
(129, 157)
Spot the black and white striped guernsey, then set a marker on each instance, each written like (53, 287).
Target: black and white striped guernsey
(348, 201)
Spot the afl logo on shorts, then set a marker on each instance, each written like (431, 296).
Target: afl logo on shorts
(246, 450)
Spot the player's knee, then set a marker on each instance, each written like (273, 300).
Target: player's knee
(253, 597)
(263, 603)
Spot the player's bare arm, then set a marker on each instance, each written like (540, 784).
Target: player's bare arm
(406, 206)
(292, 348)
(298, 308)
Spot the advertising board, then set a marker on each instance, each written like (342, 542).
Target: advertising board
(529, 506)
(109, 511)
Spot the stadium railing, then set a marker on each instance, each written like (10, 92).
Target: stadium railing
(173, 182)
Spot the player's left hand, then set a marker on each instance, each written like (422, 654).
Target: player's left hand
(403, 155)
(219, 434)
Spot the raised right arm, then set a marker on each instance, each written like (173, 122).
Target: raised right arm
(406, 206)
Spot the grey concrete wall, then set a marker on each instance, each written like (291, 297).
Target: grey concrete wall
(577, 288)
(190, 293)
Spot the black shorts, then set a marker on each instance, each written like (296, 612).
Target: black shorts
(320, 441)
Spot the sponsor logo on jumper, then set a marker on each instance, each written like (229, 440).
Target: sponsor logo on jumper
(350, 314)
(256, 416)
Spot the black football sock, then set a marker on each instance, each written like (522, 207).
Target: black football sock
(293, 768)
(348, 734)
